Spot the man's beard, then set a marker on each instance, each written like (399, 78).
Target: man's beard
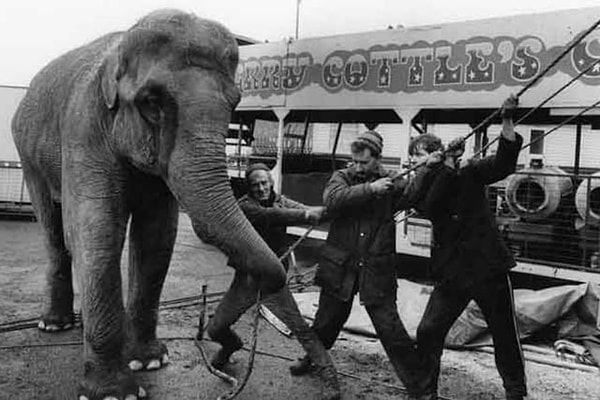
(366, 176)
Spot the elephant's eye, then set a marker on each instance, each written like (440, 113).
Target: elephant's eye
(150, 105)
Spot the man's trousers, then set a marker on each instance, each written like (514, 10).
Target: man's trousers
(495, 298)
(400, 348)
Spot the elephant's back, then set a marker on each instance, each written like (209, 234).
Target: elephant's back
(52, 88)
(36, 125)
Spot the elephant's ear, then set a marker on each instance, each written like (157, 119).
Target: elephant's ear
(109, 79)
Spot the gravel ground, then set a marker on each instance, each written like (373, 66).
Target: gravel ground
(43, 366)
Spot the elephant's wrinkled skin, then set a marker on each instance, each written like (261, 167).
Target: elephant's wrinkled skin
(129, 126)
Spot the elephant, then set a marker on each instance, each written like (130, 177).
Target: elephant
(127, 130)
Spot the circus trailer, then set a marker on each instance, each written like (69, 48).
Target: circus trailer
(14, 198)
(304, 101)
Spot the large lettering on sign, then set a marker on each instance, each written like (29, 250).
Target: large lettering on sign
(479, 63)
(586, 57)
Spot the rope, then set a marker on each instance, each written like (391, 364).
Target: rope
(553, 95)
(566, 121)
(238, 387)
(198, 342)
(525, 88)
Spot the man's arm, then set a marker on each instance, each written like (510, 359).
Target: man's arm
(439, 193)
(410, 192)
(339, 194)
(293, 204)
(273, 216)
(497, 167)
(494, 168)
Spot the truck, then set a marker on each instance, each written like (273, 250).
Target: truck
(304, 101)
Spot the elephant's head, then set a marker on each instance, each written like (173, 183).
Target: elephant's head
(170, 86)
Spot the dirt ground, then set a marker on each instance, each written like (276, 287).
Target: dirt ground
(44, 366)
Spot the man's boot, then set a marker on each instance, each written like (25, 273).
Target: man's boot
(330, 389)
(230, 343)
(302, 367)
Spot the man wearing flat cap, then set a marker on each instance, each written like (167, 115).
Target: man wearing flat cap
(359, 255)
(270, 213)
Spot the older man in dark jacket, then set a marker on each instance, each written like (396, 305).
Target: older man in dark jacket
(270, 213)
(470, 261)
(359, 255)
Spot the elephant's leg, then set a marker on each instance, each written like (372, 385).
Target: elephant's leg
(238, 299)
(95, 230)
(283, 305)
(58, 314)
(152, 236)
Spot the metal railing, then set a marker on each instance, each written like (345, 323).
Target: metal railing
(14, 197)
(550, 218)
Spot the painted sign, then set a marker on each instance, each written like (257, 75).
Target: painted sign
(398, 68)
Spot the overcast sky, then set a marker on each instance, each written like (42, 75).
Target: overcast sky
(32, 32)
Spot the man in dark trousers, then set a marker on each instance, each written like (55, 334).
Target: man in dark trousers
(270, 213)
(359, 255)
(469, 260)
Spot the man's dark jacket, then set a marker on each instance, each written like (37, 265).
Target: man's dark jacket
(359, 253)
(467, 248)
(270, 218)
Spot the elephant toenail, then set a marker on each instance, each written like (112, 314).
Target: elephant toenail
(110, 398)
(131, 397)
(52, 328)
(42, 326)
(153, 364)
(141, 392)
(80, 397)
(165, 359)
(135, 365)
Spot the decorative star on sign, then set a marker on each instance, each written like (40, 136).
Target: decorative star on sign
(522, 71)
(581, 62)
(596, 68)
(383, 80)
(417, 78)
(441, 76)
(471, 74)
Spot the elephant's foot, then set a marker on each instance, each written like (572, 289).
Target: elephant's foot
(230, 343)
(330, 389)
(150, 356)
(105, 384)
(56, 322)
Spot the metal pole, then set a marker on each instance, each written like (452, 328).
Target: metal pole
(297, 16)
(577, 149)
(335, 144)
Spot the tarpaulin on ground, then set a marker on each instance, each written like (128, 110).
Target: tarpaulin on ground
(574, 308)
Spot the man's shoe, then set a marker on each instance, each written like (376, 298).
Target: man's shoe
(302, 367)
(230, 343)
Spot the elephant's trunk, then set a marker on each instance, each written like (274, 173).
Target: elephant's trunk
(197, 176)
